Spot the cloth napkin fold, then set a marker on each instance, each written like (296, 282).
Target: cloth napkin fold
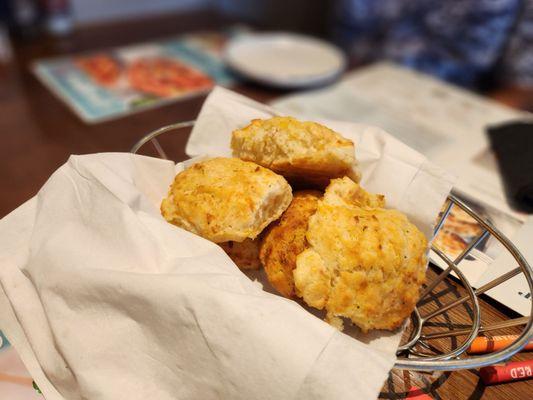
(103, 299)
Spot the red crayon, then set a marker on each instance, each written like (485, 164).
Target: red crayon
(514, 371)
(417, 394)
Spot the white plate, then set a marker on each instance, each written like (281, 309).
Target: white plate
(284, 59)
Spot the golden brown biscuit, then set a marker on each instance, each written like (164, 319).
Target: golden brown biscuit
(244, 254)
(225, 199)
(285, 239)
(362, 263)
(301, 151)
(344, 191)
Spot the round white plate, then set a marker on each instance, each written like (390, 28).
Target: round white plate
(284, 59)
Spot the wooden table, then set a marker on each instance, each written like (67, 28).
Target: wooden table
(39, 133)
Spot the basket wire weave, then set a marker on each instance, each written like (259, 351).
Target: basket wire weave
(408, 355)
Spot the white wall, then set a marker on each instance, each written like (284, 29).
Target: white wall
(91, 11)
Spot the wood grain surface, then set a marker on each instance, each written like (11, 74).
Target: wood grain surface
(38, 133)
(459, 384)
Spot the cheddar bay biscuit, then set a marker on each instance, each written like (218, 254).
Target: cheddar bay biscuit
(344, 191)
(285, 239)
(244, 254)
(362, 262)
(303, 152)
(226, 199)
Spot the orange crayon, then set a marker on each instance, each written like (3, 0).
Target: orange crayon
(483, 344)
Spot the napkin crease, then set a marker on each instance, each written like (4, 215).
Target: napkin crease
(105, 300)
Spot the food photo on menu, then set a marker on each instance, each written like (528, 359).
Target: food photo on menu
(119, 81)
(243, 200)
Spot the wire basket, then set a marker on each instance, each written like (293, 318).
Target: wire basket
(409, 355)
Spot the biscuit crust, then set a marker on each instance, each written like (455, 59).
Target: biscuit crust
(285, 239)
(226, 199)
(244, 254)
(362, 263)
(303, 152)
(344, 191)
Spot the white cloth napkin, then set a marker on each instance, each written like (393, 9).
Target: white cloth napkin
(103, 299)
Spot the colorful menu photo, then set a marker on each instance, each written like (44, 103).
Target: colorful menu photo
(111, 83)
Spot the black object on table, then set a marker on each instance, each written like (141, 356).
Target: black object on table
(512, 144)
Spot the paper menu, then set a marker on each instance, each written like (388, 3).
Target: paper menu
(514, 291)
(111, 83)
(15, 381)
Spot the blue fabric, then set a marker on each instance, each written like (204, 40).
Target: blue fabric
(456, 40)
